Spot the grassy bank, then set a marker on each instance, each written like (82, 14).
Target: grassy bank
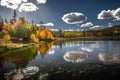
(20, 45)
(14, 46)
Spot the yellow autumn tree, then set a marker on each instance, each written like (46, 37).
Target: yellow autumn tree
(33, 38)
(45, 34)
(37, 34)
(7, 38)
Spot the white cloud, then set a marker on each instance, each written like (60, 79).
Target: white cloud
(105, 14)
(41, 1)
(54, 30)
(24, 0)
(97, 27)
(116, 14)
(27, 7)
(9, 4)
(88, 24)
(13, 4)
(21, 5)
(47, 24)
(74, 18)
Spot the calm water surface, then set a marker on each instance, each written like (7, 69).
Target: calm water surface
(64, 54)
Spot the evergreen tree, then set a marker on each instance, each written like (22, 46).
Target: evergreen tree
(1, 24)
(6, 21)
(14, 15)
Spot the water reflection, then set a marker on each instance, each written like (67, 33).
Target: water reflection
(90, 46)
(75, 56)
(22, 57)
(19, 58)
(62, 54)
(43, 48)
(20, 74)
(94, 51)
(51, 51)
(107, 58)
(86, 49)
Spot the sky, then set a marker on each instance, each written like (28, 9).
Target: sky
(65, 14)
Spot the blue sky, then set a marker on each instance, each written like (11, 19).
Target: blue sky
(53, 11)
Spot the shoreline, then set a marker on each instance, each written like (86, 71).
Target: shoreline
(19, 46)
(89, 38)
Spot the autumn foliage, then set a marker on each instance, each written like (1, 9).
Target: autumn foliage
(7, 38)
(23, 30)
(33, 38)
(44, 34)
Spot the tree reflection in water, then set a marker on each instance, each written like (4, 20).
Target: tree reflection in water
(43, 48)
(83, 53)
(22, 57)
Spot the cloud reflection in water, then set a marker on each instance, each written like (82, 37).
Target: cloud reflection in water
(19, 74)
(75, 56)
(107, 58)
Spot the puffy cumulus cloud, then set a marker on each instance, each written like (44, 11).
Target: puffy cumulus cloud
(74, 18)
(88, 24)
(105, 14)
(21, 5)
(28, 7)
(24, 0)
(41, 1)
(13, 4)
(9, 4)
(97, 27)
(116, 14)
(47, 24)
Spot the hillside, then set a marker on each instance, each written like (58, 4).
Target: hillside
(116, 27)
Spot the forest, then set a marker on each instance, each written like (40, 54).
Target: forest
(23, 31)
(113, 31)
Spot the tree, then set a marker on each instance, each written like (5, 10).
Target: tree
(1, 24)
(44, 34)
(33, 38)
(60, 32)
(14, 15)
(7, 38)
(6, 21)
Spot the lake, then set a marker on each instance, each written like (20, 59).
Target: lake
(63, 60)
